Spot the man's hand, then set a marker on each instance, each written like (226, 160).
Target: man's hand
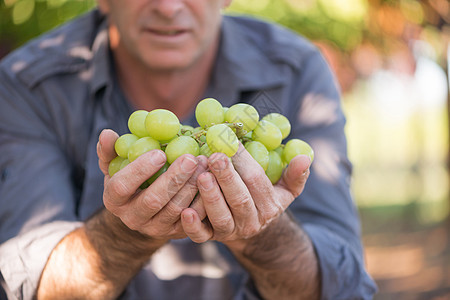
(247, 213)
(98, 260)
(241, 201)
(154, 211)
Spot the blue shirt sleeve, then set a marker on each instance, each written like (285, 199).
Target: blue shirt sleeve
(35, 189)
(342, 268)
(326, 209)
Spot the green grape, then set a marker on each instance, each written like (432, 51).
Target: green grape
(186, 130)
(114, 165)
(268, 134)
(124, 163)
(209, 111)
(225, 109)
(144, 185)
(187, 127)
(157, 174)
(281, 122)
(123, 143)
(136, 123)
(179, 146)
(220, 138)
(279, 150)
(259, 152)
(243, 113)
(168, 141)
(204, 150)
(197, 129)
(162, 124)
(275, 167)
(296, 147)
(141, 146)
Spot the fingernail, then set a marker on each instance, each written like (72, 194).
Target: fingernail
(188, 218)
(305, 172)
(219, 164)
(157, 158)
(206, 183)
(188, 164)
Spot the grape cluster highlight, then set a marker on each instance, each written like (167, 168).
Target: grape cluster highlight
(221, 129)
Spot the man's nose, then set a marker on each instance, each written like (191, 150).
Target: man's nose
(167, 8)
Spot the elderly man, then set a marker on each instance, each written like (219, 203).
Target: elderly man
(69, 230)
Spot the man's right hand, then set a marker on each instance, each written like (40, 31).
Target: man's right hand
(154, 211)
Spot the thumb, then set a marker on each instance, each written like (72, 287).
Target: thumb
(105, 148)
(296, 174)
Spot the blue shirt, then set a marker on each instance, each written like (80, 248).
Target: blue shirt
(59, 91)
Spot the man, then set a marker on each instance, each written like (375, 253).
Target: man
(69, 230)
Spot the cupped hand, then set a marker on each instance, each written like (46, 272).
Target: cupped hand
(156, 210)
(240, 201)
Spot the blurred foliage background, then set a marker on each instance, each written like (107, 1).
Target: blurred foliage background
(391, 58)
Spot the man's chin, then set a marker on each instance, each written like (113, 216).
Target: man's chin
(168, 64)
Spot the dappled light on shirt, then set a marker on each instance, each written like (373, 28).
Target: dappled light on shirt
(81, 52)
(51, 42)
(167, 263)
(19, 66)
(325, 164)
(316, 109)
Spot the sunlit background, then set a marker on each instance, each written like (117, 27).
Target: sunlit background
(391, 60)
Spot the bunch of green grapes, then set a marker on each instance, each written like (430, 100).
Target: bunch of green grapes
(220, 130)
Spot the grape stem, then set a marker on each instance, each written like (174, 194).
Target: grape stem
(240, 131)
(237, 127)
(198, 134)
(245, 140)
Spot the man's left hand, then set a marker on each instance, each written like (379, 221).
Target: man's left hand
(240, 201)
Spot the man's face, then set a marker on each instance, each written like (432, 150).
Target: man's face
(163, 35)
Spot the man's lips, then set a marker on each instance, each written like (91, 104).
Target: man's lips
(166, 32)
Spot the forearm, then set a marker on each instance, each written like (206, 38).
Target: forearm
(281, 261)
(95, 261)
